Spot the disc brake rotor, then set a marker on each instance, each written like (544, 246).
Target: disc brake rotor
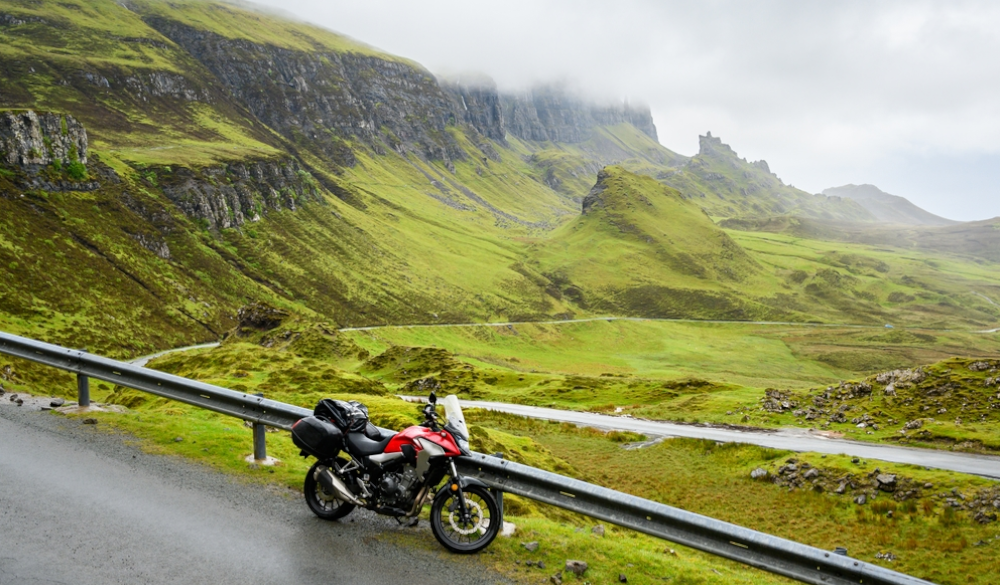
(479, 523)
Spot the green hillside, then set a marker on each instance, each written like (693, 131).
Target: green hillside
(274, 161)
(671, 260)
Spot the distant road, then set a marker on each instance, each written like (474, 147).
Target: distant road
(591, 319)
(790, 439)
(81, 505)
(142, 361)
(640, 319)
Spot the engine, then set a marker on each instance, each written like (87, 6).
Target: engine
(396, 487)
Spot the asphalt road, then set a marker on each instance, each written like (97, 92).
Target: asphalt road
(789, 439)
(81, 505)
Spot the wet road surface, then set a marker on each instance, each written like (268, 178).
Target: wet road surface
(81, 505)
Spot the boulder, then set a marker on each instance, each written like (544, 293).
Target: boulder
(811, 474)
(886, 482)
(759, 473)
(576, 567)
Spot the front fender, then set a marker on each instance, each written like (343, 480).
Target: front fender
(465, 482)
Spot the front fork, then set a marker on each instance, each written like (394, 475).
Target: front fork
(456, 485)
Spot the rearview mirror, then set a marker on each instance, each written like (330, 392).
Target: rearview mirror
(433, 398)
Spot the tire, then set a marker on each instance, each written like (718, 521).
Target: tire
(448, 527)
(322, 504)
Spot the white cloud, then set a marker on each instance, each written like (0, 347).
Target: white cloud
(828, 93)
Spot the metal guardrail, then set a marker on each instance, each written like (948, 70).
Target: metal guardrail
(256, 409)
(756, 549)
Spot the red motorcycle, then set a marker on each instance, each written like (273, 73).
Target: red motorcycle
(397, 473)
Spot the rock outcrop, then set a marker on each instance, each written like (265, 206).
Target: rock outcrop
(231, 195)
(31, 140)
(544, 113)
(325, 98)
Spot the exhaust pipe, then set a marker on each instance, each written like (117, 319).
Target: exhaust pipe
(333, 485)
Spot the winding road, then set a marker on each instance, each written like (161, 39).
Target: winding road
(791, 439)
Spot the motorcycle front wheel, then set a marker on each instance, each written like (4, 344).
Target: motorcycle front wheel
(471, 534)
(324, 505)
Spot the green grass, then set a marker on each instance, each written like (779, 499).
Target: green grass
(930, 538)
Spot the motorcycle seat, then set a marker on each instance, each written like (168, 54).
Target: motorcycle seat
(359, 444)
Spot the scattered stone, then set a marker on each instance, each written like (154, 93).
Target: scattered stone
(670, 551)
(984, 518)
(531, 546)
(841, 488)
(860, 500)
(811, 474)
(540, 564)
(178, 439)
(57, 402)
(928, 486)
(556, 579)
(886, 556)
(576, 567)
(90, 421)
(855, 460)
(886, 482)
(913, 425)
(13, 397)
(598, 530)
(758, 473)
(622, 578)
(19, 402)
(942, 410)
(508, 529)
(979, 366)
(529, 563)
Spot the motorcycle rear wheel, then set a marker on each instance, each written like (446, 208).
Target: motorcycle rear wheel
(465, 537)
(324, 505)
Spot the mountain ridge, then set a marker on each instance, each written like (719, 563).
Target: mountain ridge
(888, 208)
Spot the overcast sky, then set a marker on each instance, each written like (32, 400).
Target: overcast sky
(902, 95)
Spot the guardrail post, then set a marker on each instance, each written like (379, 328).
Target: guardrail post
(82, 390)
(259, 445)
(498, 494)
(259, 439)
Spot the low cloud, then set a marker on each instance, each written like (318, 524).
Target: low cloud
(891, 93)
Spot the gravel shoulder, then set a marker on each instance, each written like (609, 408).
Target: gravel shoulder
(85, 505)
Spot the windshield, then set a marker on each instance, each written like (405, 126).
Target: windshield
(453, 412)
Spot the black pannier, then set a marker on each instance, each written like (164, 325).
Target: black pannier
(348, 416)
(317, 437)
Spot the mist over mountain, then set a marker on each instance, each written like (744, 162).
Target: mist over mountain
(888, 208)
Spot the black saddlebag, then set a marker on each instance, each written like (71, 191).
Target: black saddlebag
(317, 437)
(349, 416)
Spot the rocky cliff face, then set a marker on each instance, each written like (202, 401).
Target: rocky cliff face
(545, 113)
(323, 99)
(31, 140)
(231, 195)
